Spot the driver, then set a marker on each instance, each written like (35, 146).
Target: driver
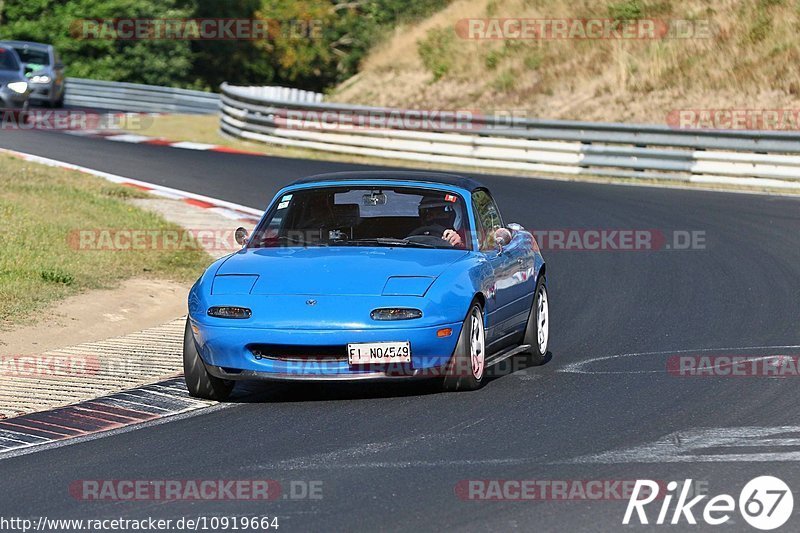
(440, 215)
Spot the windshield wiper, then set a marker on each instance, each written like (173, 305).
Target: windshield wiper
(296, 240)
(389, 241)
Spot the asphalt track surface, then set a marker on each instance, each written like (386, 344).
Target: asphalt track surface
(391, 456)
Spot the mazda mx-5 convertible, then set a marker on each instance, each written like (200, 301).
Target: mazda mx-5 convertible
(370, 275)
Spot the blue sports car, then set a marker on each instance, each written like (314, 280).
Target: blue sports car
(370, 275)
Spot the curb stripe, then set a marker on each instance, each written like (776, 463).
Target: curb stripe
(160, 400)
(135, 138)
(198, 203)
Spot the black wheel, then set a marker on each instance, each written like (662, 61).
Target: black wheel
(467, 367)
(200, 383)
(537, 332)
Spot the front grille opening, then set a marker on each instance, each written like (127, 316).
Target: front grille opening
(294, 352)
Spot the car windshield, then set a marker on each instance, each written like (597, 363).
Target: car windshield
(365, 216)
(33, 56)
(7, 60)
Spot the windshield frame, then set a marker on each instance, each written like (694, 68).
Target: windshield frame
(23, 49)
(13, 55)
(467, 223)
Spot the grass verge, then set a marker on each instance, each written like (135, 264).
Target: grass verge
(40, 207)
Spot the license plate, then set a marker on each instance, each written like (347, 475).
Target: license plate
(375, 353)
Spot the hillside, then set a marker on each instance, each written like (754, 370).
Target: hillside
(748, 59)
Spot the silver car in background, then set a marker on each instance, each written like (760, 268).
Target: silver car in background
(44, 71)
(14, 87)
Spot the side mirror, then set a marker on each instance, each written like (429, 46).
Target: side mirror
(502, 237)
(241, 236)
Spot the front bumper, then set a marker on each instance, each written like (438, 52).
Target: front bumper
(11, 101)
(376, 375)
(43, 92)
(227, 352)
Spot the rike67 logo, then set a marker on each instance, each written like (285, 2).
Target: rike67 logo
(765, 503)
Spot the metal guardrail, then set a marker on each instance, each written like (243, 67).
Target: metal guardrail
(136, 97)
(757, 158)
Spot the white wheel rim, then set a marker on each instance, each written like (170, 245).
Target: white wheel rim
(543, 321)
(476, 344)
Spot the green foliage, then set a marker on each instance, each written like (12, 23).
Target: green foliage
(142, 61)
(57, 276)
(762, 21)
(492, 59)
(626, 10)
(344, 33)
(238, 62)
(505, 81)
(761, 27)
(533, 60)
(313, 44)
(436, 51)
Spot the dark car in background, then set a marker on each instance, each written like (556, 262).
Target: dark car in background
(14, 87)
(44, 71)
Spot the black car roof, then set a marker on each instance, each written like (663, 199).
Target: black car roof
(424, 177)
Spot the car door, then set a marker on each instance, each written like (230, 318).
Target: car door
(500, 285)
(523, 286)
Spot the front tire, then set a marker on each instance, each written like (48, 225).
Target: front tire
(200, 383)
(467, 368)
(537, 332)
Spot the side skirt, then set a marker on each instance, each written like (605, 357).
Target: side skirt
(503, 355)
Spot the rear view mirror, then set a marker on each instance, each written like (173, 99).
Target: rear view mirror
(241, 235)
(374, 199)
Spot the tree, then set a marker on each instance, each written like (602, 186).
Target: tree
(63, 24)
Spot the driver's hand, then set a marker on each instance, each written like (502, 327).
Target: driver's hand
(452, 237)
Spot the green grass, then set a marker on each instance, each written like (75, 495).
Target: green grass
(436, 51)
(39, 208)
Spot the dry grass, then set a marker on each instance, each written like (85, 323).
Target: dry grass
(748, 62)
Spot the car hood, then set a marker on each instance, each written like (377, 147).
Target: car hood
(7, 76)
(339, 270)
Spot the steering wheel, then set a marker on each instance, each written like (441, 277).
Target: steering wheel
(428, 234)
